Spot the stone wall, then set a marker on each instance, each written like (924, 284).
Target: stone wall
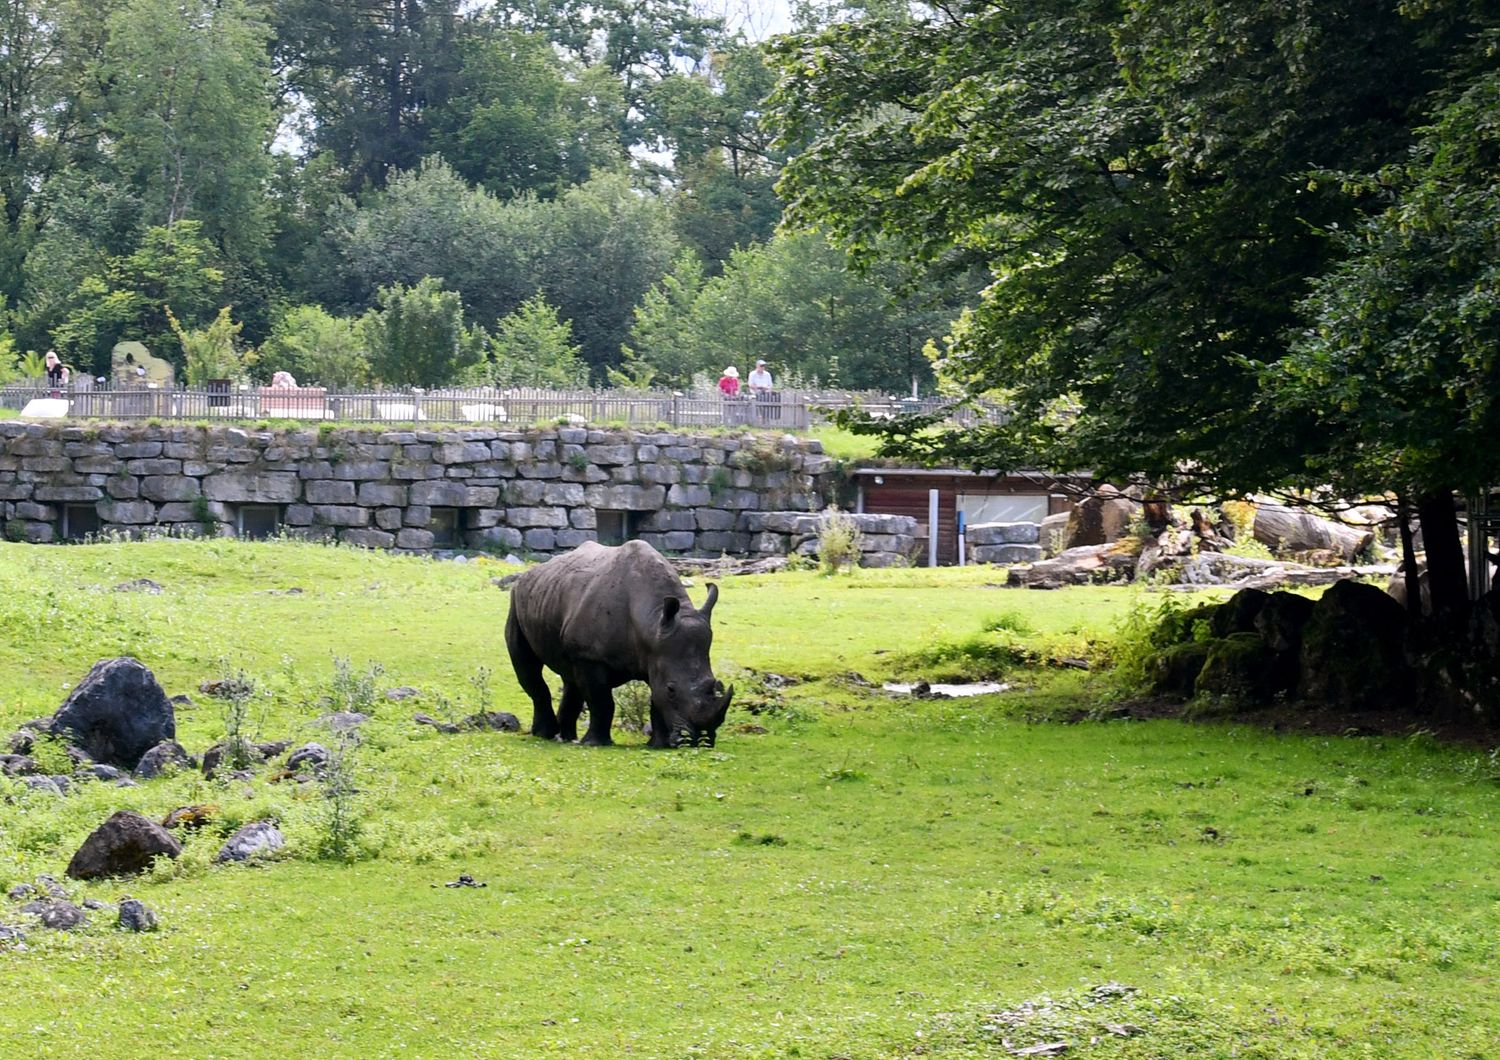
(540, 491)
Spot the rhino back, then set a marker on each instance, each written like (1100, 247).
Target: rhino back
(594, 603)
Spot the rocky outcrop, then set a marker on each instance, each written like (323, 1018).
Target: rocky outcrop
(116, 714)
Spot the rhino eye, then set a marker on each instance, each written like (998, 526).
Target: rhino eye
(671, 689)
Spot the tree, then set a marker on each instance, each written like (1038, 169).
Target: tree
(319, 349)
(210, 354)
(1140, 178)
(416, 335)
(662, 335)
(522, 118)
(531, 347)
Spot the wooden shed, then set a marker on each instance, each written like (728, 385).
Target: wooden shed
(983, 497)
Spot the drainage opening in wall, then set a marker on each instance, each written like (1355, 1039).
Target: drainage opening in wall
(80, 521)
(617, 527)
(256, 522)
(444, 525)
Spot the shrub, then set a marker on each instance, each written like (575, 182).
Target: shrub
(353, 691)
(838, 542)
(632, 706)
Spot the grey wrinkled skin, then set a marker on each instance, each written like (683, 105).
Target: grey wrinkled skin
(599, 617)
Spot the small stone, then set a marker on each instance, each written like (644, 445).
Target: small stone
(94, 903)
(49, 884)
(135, 915)
(257, 840)
(13, 934)
(312, 754)
(428, 719)
(140, 585)
(190, 818)
(20, 892)
(165, 758)
(46, 784)
(498, 720)
(56, 914)
(403, 692)
(344, 720)
(100, 772)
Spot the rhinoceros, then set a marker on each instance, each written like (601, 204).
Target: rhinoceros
(600, 616)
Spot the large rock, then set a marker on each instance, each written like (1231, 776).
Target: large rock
(1289, 530)
(1101, 520)
(1238, 613)
(1076, 566)
(117, 713)
(1175, 671)
(1282, 619)
(1352, 648)
(1003, 534)
(125, 844)
(169, 756)
(56, 913)
(258, 840)
(1241, 668)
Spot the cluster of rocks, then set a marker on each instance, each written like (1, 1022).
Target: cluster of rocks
(48, 904)
(539, 490)
(1352, 648)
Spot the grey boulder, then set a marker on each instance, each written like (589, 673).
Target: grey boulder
(257, 840)
(117, 713)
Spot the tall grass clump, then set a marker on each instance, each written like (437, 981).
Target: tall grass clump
(838, 541)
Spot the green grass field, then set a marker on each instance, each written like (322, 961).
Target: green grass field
(871, 876)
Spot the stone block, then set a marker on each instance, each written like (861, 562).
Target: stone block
(145, 450)
(388, 518)
(414, 538)
(34, 445)
(418, 515)
(298, 515)
(159, 466)
(610, 455)
(768, 543)
(540, 469)
(496, 538)
(328, 491)
(1007, 553)
(168, 488)
(123, 487)
(483, 518)
(420, 453)
(248, 487)
(366, 538)
(678, 540)
(682, 453)
(440, 493)
(416, 471)
(362, 470)
(626, 498)
(36, 512)
(555, 518)
(660, 474)
(572, 435)
(379, 494)
(540, 539)
(714, 519)
(1004, 534)
(37, 533)
(624, 473)
(98, 465)
(15, 491)
(481, 496)
(130, 512)
(340, 515)
(717, 541)
(463, 453)
(666, 519)
(572, 538)
(684, 496)
(46, 463)
(583, 519)
(66, 494)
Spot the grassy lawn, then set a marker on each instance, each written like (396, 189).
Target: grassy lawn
(871, 876)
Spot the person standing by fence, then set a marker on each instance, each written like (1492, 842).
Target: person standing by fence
(760, 389)
(57, 373)
(729, 389)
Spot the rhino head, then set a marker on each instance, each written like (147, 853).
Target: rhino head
(688, 703)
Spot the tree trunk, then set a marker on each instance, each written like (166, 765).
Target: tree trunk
(1447, 579)
(1409, 561)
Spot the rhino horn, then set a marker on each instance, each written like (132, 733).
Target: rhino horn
(708, 605)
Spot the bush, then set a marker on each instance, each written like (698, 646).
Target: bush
(838, 542)
(317, 348)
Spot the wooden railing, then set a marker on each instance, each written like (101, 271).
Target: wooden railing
(792, 410)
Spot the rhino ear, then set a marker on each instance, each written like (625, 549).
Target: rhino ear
(670, 605)
(708, 605)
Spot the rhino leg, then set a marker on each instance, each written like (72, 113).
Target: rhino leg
(659, 734)
(528, 667)
(601, 699)
(568, 711)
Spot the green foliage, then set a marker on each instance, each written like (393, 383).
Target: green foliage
(838, 542)
(1144, 632)
(531, 347)
(356, 691)
(416, 335)
(210, 353)
(319, 349)
(51, 754)
(663, 346)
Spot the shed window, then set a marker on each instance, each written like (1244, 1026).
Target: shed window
(79, 521)
(1002, 507)
(256, 522)
(616, 527)
(444, 525)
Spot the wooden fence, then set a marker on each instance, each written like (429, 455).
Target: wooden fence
(792, 410)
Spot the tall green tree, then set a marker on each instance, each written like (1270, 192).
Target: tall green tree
(531, 347)
(416, 336)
